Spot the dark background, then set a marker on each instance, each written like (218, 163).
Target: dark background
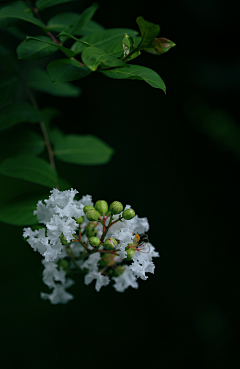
(175, 163)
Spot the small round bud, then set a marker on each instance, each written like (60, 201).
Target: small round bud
(128, 214)
(88, 207)
(106, 259)
(116, 207)
(64, 264)
(90, 230)
(63, 239)
(110, 244)
(101, 206)
(92, 214)
(94, 241)
(80, 220)
(130, 253)
(119, 270)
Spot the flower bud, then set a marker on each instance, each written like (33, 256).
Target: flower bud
(80, 220)
(63, 239)
(88, 207)
(130, 253)
(110, 244)
(64, 264)
(90, 230)
(92, 214)
(128, 214)
(119, 270)
(101, 206)
(116, 207)
(94, 241)
(106, 259)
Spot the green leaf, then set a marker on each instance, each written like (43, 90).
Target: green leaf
(93, 57)
(8, 22)
(48, 114)
(128, 44)
(63, 22)
(8, 89)
(35, 49)
(30, 169)
(103, 38)
(44, 4)
(20, 11)
(55, 135)
(137, 72)
(63, 184)
(159, 46)
(39, 80)
(63, 70)
(18, 113)
(68, 52)
(19, 211)
(84, 150)
(63, 33)
(21, 142)
(86, 15)
(149, 32)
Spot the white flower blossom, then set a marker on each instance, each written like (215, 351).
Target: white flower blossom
(101, 280)
(54, 242)
(59, 295)
(125, 280)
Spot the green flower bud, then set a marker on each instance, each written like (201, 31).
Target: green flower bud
(110, 244)
(80, 220)
(63, 239)
(101, 206)
(116, 207)
(90, 230)
(92, 214)
(88, 207)
(130, 253)
(64, 264)
(128, 214)
(106, 258)
(94, 241)
(119, 270)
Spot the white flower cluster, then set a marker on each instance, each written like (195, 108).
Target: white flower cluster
(59, 214)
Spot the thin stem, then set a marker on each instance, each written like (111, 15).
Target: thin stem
(44, 130)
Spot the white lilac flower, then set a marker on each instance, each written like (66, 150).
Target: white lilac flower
(124, 258)
(125, 280)
(59, 295)
(101, 280)
(52, 274)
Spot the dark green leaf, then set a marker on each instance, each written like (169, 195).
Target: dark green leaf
(8, 89)
(103, 38)
(30, 169)
(44, 4)
(55, 135)
(63, 70)
(149, 32)
(63, 33)
(84, 150)
(17, 113)
(83, 19)
(21, 142)
(159, 46)
(35, 49)
(19, 211)
(137, 72)
(8, 22)
(68, 52)
(63, 22)
(93, 57)
(19, 11)
(128, 44)
(63, 184)
(39, 80)
(48, 114)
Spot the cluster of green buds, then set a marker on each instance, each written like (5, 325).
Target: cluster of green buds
(98, 214)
